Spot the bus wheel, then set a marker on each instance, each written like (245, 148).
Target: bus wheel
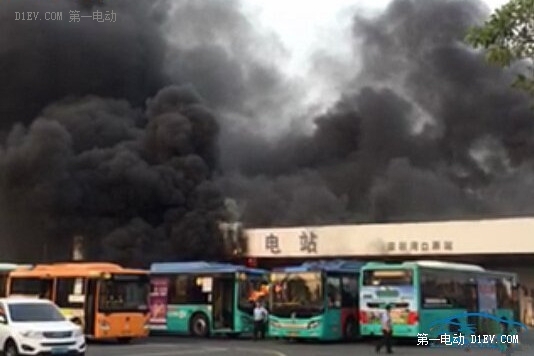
(350, 330)
(124, 340)
(200, 326)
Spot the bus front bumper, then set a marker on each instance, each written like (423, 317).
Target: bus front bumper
(295, 331)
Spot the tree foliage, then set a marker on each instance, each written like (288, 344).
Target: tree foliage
(508, 37)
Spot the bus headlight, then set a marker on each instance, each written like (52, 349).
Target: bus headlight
(314, 324)
(275, 324)
(104, 325)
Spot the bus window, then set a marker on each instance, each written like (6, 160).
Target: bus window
(349, 297)
(396, 277)
(37, 287)
(184, 289)
(505, 298)
(3, 281)
(446, 289)
(333, 291)
(69, 292)
(124, 294)
(251, 289)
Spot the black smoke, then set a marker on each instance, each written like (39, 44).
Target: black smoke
(425, 130)
(136, 185)
(44, 61)
(132, 133)
(110, 130)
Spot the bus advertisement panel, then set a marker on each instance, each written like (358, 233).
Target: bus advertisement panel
(396, 288)
(158, 303)
(317, 300)
(204, 298)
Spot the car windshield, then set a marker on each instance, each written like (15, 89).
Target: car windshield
(34, 312)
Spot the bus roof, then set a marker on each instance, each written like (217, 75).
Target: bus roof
(12, 266)
(74, 269)
(425, 264)
(327, 266)
(201, 267)
(503, 274)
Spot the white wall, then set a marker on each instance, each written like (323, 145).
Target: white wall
(447, 238)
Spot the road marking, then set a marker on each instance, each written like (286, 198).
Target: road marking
(207, 350)
(262, 351)
(141, 346)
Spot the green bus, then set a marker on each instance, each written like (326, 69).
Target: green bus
(204, 298)
(423, 292)
(5, 268)
(316, 300)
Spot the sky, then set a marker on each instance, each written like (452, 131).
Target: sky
(318, 25)
(321, 27)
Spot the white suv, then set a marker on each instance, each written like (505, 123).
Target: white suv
(35, 326)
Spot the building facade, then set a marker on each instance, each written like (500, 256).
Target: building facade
(502, 244)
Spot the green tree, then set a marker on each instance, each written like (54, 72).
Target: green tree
(508, 37)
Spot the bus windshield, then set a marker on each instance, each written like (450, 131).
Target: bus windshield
(251, 289)
(393, 277)
(296, 293)
(124, 293)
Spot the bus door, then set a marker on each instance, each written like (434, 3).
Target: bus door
(223, 302)
(90, 306)
(472, 305)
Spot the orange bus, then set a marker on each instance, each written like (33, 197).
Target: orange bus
(5, 268)
(107, 300)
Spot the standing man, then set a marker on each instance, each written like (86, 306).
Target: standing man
(260, 319)
(385, 320)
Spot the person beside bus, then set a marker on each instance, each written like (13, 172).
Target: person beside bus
(385, 320)
(260, 320)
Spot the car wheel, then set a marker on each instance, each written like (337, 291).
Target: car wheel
(11, 349)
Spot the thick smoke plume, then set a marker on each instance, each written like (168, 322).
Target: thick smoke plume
(107, 130)
(132, 133)
(426, 130)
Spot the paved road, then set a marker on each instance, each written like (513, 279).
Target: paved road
(177, 346)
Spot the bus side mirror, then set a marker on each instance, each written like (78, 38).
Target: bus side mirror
(3, 319)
